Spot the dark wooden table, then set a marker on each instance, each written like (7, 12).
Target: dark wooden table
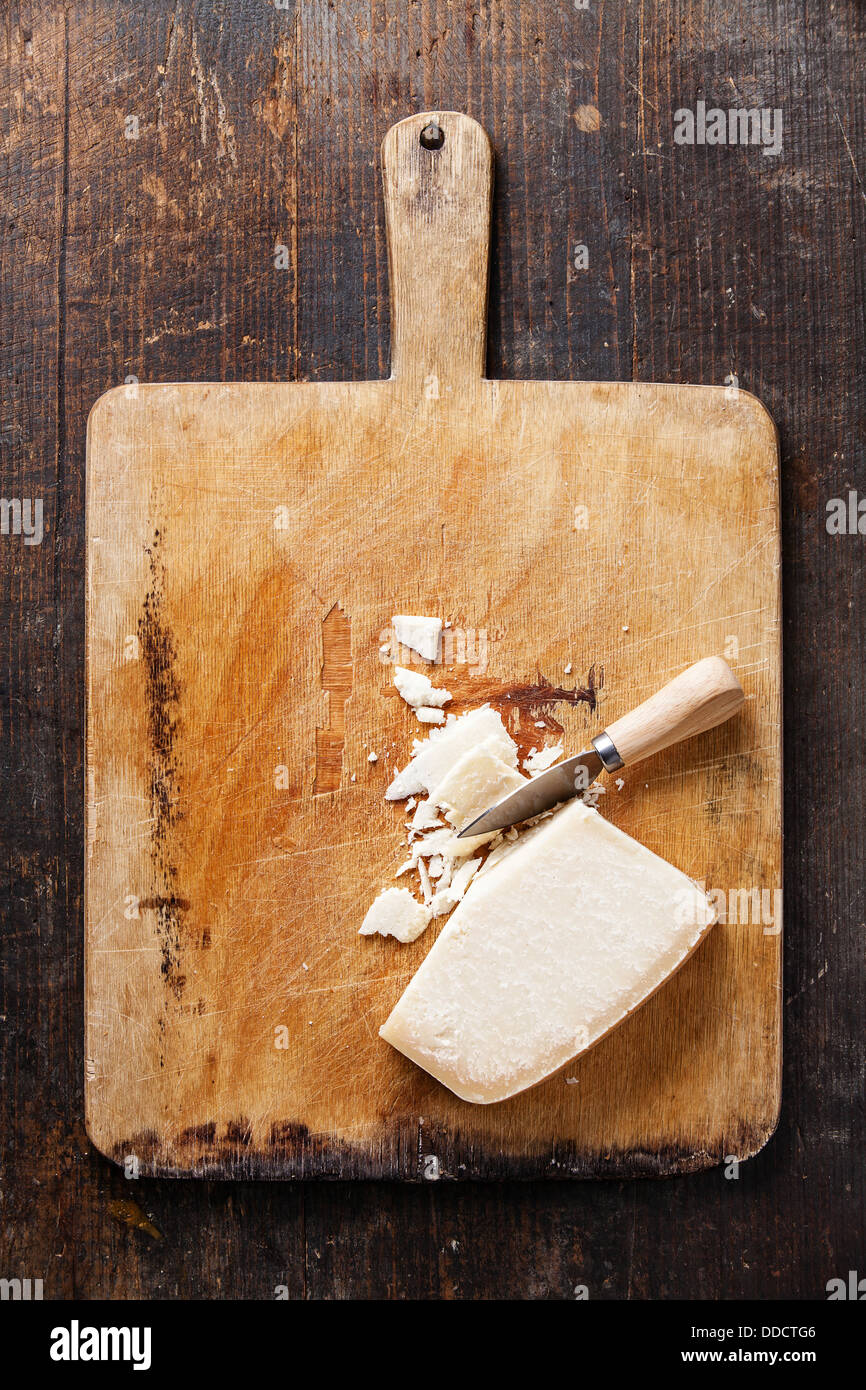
(191, 191)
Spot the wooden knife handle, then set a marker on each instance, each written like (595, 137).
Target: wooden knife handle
(705, 695)
(437, 171)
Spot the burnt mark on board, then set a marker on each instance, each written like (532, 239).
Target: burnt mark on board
(291, 1151)
(162, 715)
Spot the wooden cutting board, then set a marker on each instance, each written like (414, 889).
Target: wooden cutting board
(247, 547)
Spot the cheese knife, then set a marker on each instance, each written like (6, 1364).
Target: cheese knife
(699, 699)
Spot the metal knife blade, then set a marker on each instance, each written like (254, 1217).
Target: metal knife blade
(559, 783)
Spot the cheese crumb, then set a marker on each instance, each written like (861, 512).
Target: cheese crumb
(372, 757)
(421, 635)
(425, 715)
(449, 895)
(463, 877)
(425, 817)
(542, 759)
(568, 669)
(417, 689)
(450, 846)
(396, 913)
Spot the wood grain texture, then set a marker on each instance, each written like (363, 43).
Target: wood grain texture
(628, 530)
(156, 258)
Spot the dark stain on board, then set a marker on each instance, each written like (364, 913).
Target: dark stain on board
(536, 697)
(162, 713)
(539, 699)
(533, 702)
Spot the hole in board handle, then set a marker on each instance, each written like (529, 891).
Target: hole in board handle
(432, 137)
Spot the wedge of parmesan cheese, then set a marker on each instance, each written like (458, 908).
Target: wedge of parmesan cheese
(435, 755)
(418, 690)
(396, 913)
(421, 635)
(570, 932)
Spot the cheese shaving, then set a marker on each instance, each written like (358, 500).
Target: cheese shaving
(476, 782)
(434, 756)
(541, 759)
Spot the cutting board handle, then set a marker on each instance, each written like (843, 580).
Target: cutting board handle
(437, 169)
